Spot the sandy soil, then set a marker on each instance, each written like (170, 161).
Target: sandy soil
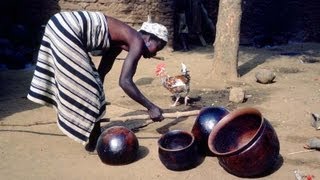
(32, 146)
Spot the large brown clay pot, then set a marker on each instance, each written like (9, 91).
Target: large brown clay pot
(245, 143)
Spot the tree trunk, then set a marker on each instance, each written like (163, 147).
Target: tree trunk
(225, 59)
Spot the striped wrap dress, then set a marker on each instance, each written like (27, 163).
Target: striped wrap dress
(65, 76)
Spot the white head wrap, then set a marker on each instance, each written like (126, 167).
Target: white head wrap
(156, 29)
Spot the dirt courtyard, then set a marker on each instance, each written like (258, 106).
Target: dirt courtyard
(32, 146)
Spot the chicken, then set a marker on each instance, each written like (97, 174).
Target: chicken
(178, 85)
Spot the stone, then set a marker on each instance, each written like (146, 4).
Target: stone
(236, 95)
(265, 76)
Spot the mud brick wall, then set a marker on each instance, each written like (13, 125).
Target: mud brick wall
(264, 22)
(132, 12)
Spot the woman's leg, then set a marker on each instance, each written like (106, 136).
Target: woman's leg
(93, 138)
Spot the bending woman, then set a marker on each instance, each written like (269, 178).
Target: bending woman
(66, 78)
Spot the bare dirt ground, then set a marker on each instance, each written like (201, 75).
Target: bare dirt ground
(32, 146)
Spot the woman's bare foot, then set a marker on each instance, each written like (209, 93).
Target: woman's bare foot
(93, 139)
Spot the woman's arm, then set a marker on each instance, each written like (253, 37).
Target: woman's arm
(126, 80)
(107, 62)
(128, 39)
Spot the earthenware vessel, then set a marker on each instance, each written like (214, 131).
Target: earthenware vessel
(178, 150)
(117, 145)
(245, 143)
(204, 123)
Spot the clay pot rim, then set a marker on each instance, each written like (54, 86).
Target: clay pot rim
(212, 107)
(176, 132)
(202, 110)
(230, 117)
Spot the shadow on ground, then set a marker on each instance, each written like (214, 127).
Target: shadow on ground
(15, 86)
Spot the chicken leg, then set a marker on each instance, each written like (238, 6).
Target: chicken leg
(177, 99)
(186, 100)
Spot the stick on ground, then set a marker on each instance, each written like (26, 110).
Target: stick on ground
(165, 115)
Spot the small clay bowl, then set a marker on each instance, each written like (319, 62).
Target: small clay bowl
(178, 150)
(204, 123)
(117, 145)
(245, 143)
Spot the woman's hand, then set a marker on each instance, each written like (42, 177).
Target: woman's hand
(155, 114)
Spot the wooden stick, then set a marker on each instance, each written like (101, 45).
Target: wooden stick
(305, 151)
(165, 115)
(149, 121)
(160, 58)
(27, 125)
(122, 118)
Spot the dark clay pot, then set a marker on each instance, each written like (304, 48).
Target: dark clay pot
(117, 145)
(178, 151)
(204, 123)
(245, 143)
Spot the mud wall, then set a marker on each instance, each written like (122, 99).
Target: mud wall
(264, 22)
(132, 12)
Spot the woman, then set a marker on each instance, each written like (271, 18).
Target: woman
(66, 78)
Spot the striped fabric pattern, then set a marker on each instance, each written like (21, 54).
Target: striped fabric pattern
(65, 76)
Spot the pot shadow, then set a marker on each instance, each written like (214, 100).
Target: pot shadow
(166, 128)
(273, 169)
(142, 153)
